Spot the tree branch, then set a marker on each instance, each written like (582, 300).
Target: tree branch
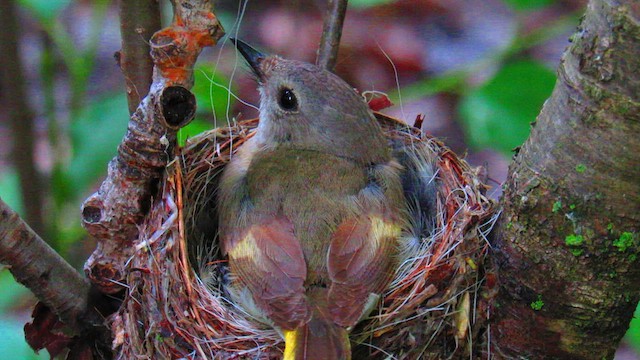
(331, 33)
(113, 213)
(21, 116)
(38, 267)
(139, 20)
(567, 244)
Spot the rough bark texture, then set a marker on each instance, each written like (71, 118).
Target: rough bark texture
(37, 266)
(139, 20)
(112, 214)
(12, 84)
(567, 243)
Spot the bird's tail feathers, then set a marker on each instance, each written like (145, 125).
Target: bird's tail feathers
(318, 339)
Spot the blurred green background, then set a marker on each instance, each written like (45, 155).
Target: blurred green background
(479, 70)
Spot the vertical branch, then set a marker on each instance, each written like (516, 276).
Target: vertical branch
(568, 241)
(331, 33)
(21, 116)
(113, 213)
(139, 20)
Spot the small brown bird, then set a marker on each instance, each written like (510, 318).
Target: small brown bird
(312, 209)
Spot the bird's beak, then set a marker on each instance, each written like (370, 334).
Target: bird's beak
(253, 56)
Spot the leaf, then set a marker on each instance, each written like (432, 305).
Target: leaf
(210, 90)
(633, 334)
(498, 114)
(45, 331)
(379, 102)
(528, 4)
(95, 136)
(362, 4)
(10, 190)
(44, 10)
(10, 292)
(196, 127)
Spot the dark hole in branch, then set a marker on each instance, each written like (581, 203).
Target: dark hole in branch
(91, 214)
(178, 106)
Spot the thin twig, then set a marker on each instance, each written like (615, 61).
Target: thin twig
(331, 33)
(139, 20)
(12, 82)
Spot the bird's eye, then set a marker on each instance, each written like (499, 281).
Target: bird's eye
(288, 100)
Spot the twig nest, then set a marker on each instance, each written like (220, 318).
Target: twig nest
(176, 306)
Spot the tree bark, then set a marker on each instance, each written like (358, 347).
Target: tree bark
(113, 213)
(566, 246)
(139, 20)
(38, 267)
(331, 34)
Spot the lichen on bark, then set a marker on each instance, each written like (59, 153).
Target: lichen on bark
(573, 190)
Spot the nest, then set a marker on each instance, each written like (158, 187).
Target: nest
(176, 307)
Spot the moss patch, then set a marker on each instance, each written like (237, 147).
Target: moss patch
(574, 242)
(576, 252)
(538, 304)
(624, 242)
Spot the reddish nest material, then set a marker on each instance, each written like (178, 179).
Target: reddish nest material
(433, 309)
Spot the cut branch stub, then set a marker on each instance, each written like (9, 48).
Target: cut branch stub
(178, 107)
(113, 213)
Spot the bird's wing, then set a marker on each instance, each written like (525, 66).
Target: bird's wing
(268, 260)
(360, 263)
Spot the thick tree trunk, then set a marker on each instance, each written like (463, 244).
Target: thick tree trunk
(567, 242)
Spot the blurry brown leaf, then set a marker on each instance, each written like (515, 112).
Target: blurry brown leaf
(46, 331)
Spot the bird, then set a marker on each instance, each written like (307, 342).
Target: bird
(317, 209)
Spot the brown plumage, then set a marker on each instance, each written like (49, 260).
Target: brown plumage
(311, 209)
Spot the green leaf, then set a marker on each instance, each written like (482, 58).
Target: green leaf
(363, 4)
(498, 114)
(95, 136)
(210, 90)
(528, 4)
(10, 190)
(44, 10)
(633, 334)
(194, 128)
(10, 291)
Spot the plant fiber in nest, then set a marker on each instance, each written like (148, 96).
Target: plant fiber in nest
(434, 308)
